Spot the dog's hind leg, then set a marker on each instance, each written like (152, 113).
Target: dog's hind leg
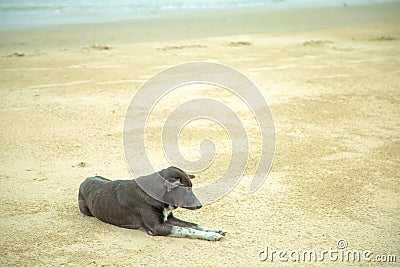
(82, 206)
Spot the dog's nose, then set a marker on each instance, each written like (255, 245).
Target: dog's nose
(199, 206)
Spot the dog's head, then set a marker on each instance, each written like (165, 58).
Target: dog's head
(177, 189)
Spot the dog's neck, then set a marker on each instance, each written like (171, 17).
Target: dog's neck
(167, 211)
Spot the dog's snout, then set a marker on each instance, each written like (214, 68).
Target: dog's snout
(191, 202)
(195, 205)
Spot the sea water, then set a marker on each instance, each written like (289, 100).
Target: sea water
(30, 13)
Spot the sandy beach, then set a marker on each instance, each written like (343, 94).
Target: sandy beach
(331, 79)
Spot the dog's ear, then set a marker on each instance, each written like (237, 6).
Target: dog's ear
(169, 186)
(191, 176)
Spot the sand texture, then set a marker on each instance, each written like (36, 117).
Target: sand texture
(335, 98)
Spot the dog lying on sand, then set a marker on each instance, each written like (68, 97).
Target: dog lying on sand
(125, 204)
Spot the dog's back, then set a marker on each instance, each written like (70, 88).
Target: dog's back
(88, 188)
(108, 200)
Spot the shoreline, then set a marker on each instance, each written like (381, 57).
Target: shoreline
(194, 25)
(16, 17)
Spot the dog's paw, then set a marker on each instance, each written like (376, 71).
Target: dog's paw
(213, 230)
(212, 236)
(221, 232)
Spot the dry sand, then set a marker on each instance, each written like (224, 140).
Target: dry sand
(335, 97)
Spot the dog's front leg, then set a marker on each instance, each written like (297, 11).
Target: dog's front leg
(155, 226)
(206, 229)
(177, 222)
(178, 231)
(161, 229)
(164, 229)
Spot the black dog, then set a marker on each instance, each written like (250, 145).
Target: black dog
(125, 204)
